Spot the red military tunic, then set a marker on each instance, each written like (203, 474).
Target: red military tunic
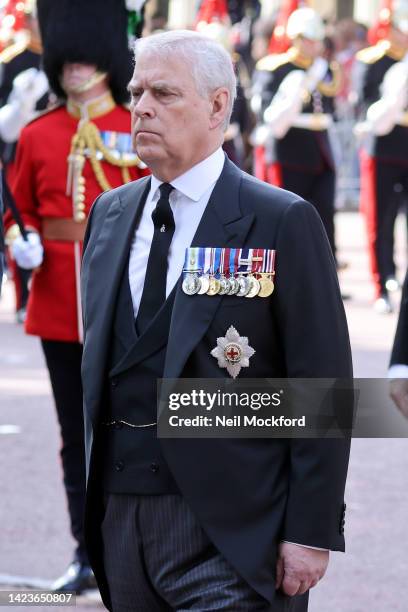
(39, 187)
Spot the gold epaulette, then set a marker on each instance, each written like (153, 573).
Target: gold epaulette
(370, 55)
(12, 51)
(272, 62)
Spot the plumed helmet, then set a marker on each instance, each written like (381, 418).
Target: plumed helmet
(305, 22)
(89, 32)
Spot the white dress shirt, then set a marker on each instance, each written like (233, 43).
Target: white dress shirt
(188, 200)
(398, 370)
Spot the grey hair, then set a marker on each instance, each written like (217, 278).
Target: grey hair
(210, 63)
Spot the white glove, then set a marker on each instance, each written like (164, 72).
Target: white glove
(12, 122)
(286, 104)
(385, 113)
(316, 73)
(28, 87)
(28, 253)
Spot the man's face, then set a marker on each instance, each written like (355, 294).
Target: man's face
(310, 48)
(75, 75)
(171, 122)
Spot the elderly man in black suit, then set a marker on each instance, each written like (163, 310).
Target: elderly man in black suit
(204, 524)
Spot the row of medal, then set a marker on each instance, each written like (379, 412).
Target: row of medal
(226, 271)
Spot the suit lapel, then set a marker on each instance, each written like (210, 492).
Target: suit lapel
(105, 271)
(222, 225)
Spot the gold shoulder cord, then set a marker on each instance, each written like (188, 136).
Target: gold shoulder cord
(88, 138)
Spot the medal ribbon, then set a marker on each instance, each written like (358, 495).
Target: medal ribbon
(217, 261)
(232, 262)
(212, 257)
(258, 260)
(201, 259)
(193, 259)
(236, 259)
(226, 262)
(207, 260)
(269, 262)
(245, 260)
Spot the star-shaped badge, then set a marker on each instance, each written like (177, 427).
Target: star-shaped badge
(233, 352)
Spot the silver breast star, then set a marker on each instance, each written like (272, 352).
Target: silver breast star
(233, 352)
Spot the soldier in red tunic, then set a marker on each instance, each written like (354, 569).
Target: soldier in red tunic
(65, 159)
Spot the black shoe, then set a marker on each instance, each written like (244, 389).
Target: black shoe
(78, 578)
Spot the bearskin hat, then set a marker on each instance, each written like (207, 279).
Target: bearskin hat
(90, 32)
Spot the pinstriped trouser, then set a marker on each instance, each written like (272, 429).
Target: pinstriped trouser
(157, 558)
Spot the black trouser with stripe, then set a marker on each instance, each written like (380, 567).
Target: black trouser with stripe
(157, 558)
(384, 188)
(64, 366)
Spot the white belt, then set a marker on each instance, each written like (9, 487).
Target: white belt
(313, 121)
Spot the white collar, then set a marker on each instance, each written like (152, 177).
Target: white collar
(198, 179)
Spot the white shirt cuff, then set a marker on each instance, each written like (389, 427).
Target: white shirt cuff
(304, 546)
(398, 370)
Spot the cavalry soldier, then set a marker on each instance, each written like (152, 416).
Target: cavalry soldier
(382, 85)
(65, 159)
(293, 98)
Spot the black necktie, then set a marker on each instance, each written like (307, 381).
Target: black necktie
(154, 288)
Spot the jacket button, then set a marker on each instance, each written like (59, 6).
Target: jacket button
(154, 467)
(114, 382)
(119, 465)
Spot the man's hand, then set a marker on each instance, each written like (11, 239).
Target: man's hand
(399, 394)
(298, 569)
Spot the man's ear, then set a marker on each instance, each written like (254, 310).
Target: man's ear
(219, 106)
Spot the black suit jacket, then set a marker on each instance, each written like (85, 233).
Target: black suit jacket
(400, 349)
(248, 494)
